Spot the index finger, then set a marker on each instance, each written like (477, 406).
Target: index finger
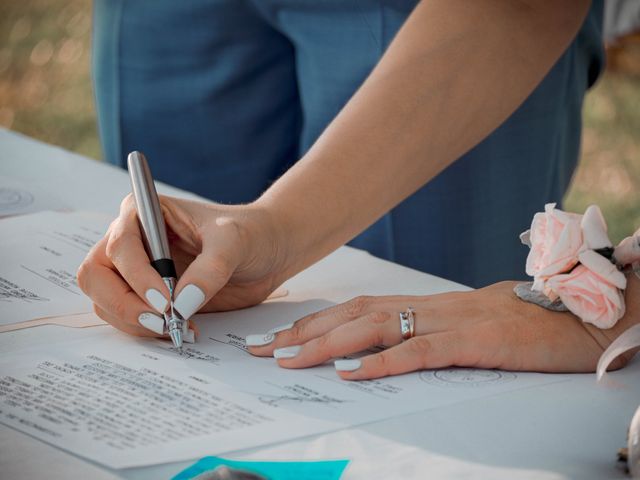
(126, 251)
(310, 326)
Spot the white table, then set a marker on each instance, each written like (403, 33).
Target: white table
(563, 430)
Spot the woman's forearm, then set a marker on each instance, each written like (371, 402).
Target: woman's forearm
(455, 71)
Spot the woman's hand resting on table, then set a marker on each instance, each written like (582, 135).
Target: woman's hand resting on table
(487, 328)
(229, 251)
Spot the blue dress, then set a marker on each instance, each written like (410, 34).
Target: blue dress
(225, 95)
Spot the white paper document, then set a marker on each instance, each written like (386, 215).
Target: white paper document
(39, 257)
(126, 402)
(19, 198)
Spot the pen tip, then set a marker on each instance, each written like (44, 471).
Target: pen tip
(176, 338)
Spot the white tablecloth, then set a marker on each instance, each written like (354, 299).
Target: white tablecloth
(564, 430)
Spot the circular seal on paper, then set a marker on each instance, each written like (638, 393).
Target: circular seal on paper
(13, 198)
(466, 377)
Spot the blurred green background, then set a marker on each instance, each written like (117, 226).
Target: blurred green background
(45, 92)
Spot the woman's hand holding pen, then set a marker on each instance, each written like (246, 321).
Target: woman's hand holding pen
(227, 257)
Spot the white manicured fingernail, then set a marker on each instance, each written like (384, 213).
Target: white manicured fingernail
(262, 339)
(281, 328)
(156, 300)
(152, 322)
(189, 337)
(259, 340)
(189, 301)
(347, 365)
(286, 352)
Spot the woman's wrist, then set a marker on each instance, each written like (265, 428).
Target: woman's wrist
(306, 228)
(631, 317)
(267, 235)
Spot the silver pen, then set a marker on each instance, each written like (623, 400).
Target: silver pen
(154, 236)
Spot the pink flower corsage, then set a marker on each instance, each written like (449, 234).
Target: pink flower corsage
(575, 267)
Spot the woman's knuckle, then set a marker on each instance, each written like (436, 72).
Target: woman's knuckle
(116, 308)
(419, 345)
(357, 306)
(127, 202)
(114, 245)
(218, 266)
(379, 317)
(83, 275)
(378, 337)
(323, 343)
(297, 332)
(312, 317)
(112, 226)
(382, 363)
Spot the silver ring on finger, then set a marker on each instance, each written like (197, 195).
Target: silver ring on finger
(407, 324)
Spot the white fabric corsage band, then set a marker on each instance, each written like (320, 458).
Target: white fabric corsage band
(576, 268)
